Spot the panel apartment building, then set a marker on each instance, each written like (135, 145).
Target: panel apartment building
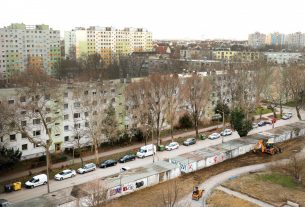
(77, 106)
(28, 46)
(106, 41)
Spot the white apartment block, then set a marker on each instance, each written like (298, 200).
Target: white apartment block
(74, 116)
(23, 46)
(256, 40)
(295, 40)
(283, 57)
(106, 41)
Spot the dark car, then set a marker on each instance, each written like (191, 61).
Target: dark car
(263, 123)
(189, 141)
(108, 163)
(127, 158)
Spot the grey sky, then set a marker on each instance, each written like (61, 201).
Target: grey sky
(171, 19)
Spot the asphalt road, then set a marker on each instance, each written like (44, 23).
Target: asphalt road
(26, 194)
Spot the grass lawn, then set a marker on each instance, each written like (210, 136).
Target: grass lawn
(280, 179)
(259, 111)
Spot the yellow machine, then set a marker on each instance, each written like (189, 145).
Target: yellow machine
(16, 186)
(197, 193)
(268, 147)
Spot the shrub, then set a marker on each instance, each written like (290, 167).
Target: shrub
(185, 122)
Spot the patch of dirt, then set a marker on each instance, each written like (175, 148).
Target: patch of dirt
(148, 197)
(267, 191)
(220, 198)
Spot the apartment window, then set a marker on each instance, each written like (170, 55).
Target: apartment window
(48, 109)
(77, 126)
(94, 93)
(76, 115)
(77, 137)
(112, 100)
(47, 97)
(11, 101)
(66, 94)
(37, 145)
(112, 90)
(22, 99)
(1, 139)
(24, 147)
(86, 92)
(36, 133)
(57, 123)
(66, 128)
(66, 106)
(48, 119)
(36, 121)
(57, 135)
(94, 103)
(13, 137)
(66, 116)
(23, 135)
(77, 104)
(86, 114)
(66, 138)
(94, 112)
(86, 124)
(23, 123)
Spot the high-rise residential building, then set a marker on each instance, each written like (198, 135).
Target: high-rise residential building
(276, 39)
(295, 40)
(106, 41)
(256, 40)
(28, 46)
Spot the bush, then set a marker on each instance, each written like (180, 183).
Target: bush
(185, 122)
(9, 157)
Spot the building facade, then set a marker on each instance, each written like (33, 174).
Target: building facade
(295, 40)
(283, 57)
(106, 41)
(256, 40)
(275, 39)
(28, 46)
(230, 55)
(79, 103)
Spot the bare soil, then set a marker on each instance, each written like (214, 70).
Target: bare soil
(149, 197)
(267, 191)
(219, 198)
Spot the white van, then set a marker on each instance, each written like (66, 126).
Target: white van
(146, 151)
(37, 181)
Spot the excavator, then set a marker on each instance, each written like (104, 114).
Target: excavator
(197, 193)
(268, 147)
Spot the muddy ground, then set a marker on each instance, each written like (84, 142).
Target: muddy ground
(219, 198)
(151, 196)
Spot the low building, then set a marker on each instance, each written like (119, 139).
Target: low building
(283, 57)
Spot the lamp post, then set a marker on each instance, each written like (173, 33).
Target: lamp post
(223, 122)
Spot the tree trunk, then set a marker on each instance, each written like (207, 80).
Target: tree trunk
(48, 168)
(172, 132)
(298, 112)
(81, 157)
(96, 152)
(196, 129)
(274, 112)
(281, 108)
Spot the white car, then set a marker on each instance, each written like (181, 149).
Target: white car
(87, 168)
(37, 181)
(65, 174)
(214, 136)
(172, 146)
(254, 125)
(226, 132)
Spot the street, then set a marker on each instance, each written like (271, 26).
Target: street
(26, 194)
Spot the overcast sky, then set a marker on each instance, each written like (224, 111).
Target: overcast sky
(170, 19)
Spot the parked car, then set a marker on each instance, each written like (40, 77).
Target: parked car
(172, 146)
(37, 180)
(289, 114)
(285, 117)
(147, 150)
(189, 141)
(123, 169)
(87, 168)
(65, 174)
(214, 136)
(127, 158)
(108, 163)
(226, 132)
(263, 123)
(254, 125)
(4, 203)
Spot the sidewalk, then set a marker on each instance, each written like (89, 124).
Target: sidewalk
(102, 154)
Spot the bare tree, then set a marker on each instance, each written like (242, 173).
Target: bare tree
(196, 92)
(171, 86)
(295, 79)
(36, 114)
(110, 125)
(170, 195)
(96, 194)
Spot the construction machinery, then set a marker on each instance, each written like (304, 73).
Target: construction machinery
(197, 193)
(267, 147)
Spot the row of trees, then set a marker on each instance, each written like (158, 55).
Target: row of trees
(157, 99)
